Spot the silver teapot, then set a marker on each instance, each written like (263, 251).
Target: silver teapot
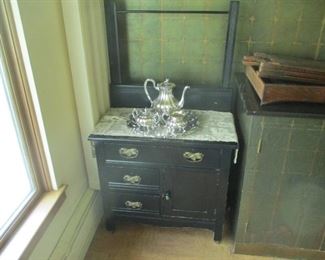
(165, 102)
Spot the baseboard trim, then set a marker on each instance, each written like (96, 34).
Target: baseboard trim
(278, 251)
(81, 228)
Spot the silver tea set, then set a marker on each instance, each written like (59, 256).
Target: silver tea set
(165, 117)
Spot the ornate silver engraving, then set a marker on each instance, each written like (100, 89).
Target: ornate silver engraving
(129, 153)
(132, 179)
(133, 204)
(193, 157)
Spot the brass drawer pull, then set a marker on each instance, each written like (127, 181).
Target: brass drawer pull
(132, 179)
(133, 204)
(193, 157)
(129, 153)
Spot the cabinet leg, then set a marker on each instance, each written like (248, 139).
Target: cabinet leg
(217, 238)
(218, 233)
(110, 225)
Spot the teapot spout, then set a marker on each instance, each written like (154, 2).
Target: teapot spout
(181, 102)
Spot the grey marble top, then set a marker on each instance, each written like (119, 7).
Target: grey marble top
(213, 126)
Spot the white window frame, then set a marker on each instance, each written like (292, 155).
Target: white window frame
(26, 228)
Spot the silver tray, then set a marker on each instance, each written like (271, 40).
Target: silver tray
(166, 127)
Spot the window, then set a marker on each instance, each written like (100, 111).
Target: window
(23, 163)
(18, 185)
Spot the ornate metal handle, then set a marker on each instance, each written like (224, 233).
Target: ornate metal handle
(132, 179)
(129, 153)
(133, 204)
(146, 90)
(193, 157)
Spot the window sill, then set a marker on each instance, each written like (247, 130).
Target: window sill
(26, 236)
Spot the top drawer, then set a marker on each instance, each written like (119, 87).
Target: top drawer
(172, 155)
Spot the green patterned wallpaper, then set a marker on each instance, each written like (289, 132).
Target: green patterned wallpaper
(190, 48)
(289, 27)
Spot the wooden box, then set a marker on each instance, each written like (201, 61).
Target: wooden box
(280, 91)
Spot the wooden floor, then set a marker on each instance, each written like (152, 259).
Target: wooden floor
(144, 242)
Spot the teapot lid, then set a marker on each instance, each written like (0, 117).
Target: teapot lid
(167, 83)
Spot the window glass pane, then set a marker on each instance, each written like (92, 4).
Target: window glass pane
(16, 179)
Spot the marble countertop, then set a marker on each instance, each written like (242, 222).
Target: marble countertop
(213, 126)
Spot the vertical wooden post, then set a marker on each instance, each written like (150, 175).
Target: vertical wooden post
(230, 43)
(113, 42)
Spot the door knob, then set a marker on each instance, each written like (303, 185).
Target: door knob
(166, 195)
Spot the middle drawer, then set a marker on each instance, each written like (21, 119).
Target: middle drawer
(125, 177)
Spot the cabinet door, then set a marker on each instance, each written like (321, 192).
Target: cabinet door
(189, 193)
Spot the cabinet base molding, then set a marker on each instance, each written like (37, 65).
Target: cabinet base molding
(278, 251)
(161, 221)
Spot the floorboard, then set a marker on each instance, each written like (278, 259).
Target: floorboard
(133, 241)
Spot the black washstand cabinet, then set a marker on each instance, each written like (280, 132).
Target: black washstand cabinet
(151, 180)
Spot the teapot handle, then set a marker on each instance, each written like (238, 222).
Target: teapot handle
(145, 88)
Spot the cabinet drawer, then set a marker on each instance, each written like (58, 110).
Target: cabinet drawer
(131, 177)
(134, 152)
(134, 202)
(151, 153)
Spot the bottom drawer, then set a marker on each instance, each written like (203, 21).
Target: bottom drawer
(133, 202)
